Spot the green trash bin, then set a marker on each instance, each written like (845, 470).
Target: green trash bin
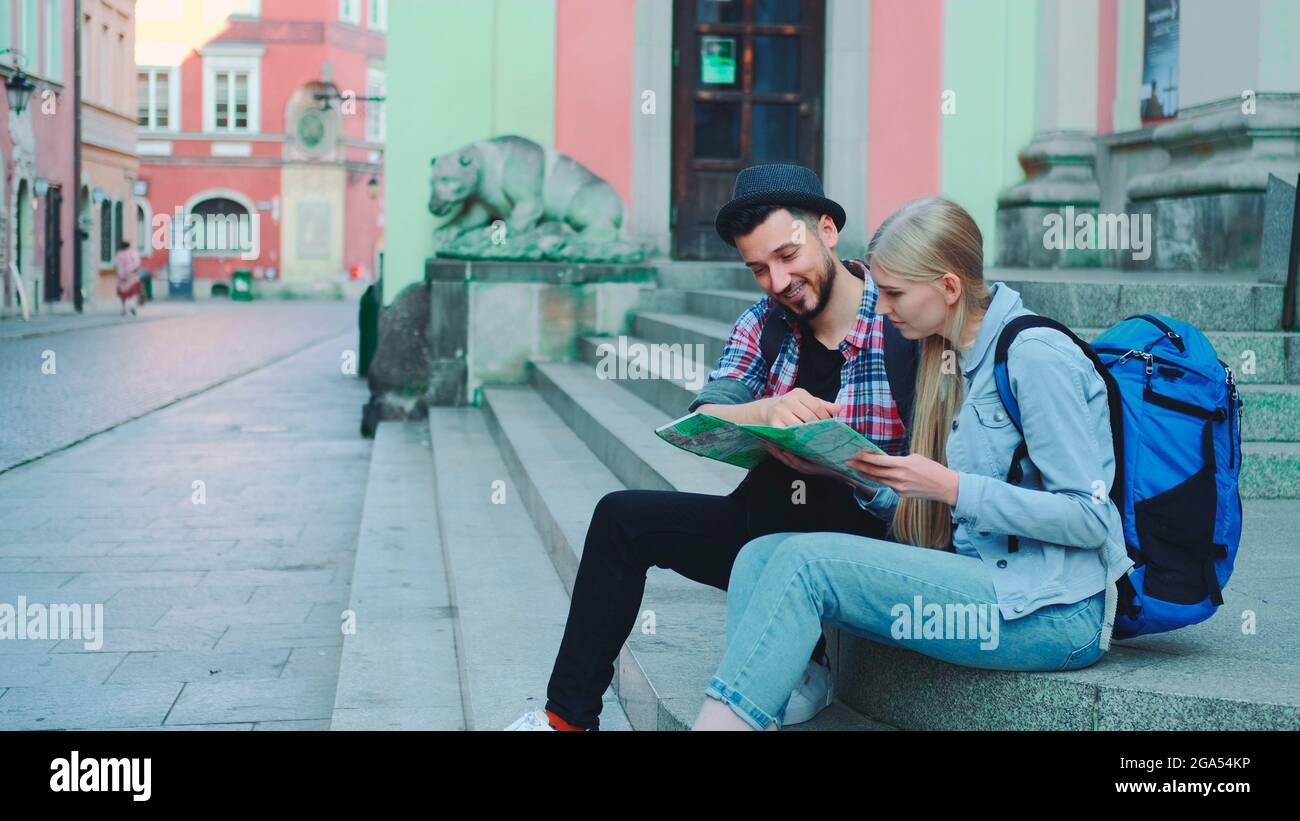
(241, 289)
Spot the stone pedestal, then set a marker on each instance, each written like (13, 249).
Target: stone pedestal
(487, 319)
(1059, 173)
(1208, 204)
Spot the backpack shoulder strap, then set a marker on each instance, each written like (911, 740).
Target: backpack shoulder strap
(1003, 381)
(773, 335)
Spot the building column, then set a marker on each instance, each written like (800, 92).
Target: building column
(1059, 162)
(845, 128)
(652, 132)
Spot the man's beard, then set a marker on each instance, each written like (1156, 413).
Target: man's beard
(823, 292)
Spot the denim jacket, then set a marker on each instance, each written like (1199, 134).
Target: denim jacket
(1071, 534)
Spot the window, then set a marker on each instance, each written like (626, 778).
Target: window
(223, 228)
(53, 41)
(143, 234)
(106, 231)
(231, 88)
(374, 108)
(378, 17)
(156, 90)
(350, 11)
(231, 101)
(118, 226)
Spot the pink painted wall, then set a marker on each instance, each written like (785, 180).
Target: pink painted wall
(1107, 36)
(905, 83)
(362, 230)
(169, 190)
(53, 144)
(594, 98)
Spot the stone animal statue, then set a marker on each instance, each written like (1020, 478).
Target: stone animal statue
(544, 200)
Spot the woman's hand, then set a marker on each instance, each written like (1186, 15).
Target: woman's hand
(912, 475)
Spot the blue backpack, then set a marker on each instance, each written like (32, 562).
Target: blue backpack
(1175, 415)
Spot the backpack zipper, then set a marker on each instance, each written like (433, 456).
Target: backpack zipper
(1149, 357)
(1234, 410)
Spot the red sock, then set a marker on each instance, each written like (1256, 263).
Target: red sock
(560, 724)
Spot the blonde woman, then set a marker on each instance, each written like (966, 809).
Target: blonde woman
(948, 584)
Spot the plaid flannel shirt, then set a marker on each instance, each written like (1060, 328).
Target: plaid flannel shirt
(866, 403)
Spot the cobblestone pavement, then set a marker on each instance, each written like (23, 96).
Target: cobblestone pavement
(60, 387)
(217, 533)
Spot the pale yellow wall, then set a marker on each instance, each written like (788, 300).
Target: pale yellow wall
(319, 184)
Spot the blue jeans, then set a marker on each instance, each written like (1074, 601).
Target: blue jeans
(784, 585)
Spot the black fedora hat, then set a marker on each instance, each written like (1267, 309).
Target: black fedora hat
(776, 184)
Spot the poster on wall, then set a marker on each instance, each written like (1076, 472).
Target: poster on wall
(717, 60)
(1159, 97)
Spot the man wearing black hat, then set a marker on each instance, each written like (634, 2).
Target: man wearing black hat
(812, 348)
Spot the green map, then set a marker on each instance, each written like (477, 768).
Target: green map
(826, 442)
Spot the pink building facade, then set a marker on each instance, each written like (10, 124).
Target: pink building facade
(259, 151)
(37, 147)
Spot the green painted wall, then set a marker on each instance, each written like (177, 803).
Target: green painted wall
(1279, 45)
(457, 72)
(989, 54)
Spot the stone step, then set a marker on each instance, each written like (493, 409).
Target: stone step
(1271, 413)
(685, 275)
(1256, 357)
(398, 670)
(688, 329)
(510, 603)
(1217, 675)
(1174, 681)
(667, 391)
(618, 427)
(659, 676)
(1098, 298)
(1271, 469)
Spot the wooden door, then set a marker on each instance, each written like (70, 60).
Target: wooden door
(747, 89)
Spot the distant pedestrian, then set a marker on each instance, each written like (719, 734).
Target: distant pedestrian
(128, 276)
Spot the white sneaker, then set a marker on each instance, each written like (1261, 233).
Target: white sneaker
(813, 695)
(535, 720)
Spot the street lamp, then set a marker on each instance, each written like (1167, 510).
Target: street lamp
(19, 88)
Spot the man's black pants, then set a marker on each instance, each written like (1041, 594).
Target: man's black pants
(697, 535)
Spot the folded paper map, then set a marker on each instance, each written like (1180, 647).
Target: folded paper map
(826, 442)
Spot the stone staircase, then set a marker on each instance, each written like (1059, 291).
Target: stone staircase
(568, 437)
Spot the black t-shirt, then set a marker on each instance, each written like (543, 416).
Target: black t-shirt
(818, 370)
